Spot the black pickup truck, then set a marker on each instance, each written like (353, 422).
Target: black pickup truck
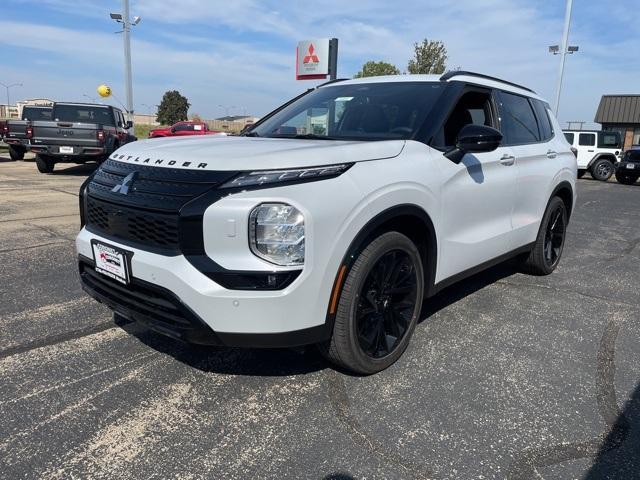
(78, 132)
(17, 133)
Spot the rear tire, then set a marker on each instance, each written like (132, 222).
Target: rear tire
(581, 173)
(626, 179)
(602, 169)
(378, 307)
(44, 163)
(547, 250)
(16, 153)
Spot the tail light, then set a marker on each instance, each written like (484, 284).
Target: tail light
(29, 131)
(575, 151)
(5, 128)
(100, 136)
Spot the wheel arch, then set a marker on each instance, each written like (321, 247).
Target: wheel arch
(602, 156)
(564, 190)
(408, 219)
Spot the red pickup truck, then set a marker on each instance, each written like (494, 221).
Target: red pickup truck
(183, 128)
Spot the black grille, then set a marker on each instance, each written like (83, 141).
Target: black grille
(139, 226)
(151, 305)
(148, 215)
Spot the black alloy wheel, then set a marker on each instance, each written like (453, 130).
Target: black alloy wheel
(387, 301)
(554, 237)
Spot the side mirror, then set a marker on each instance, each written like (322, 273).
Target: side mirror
(129, 124)
(474, 139)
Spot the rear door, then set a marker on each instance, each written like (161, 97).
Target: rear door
(529, 133)
(586, 146)
(477, 194)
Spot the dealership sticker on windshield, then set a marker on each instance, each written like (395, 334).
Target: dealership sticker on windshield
(111, 262)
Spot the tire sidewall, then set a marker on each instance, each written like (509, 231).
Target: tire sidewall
(553, 204)
(385, 243)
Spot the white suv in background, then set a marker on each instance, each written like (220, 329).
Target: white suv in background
(597, 152)
(333, 218)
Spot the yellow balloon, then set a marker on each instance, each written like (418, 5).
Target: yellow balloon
(104, 90)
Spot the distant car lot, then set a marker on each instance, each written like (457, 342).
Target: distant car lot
(507, 375)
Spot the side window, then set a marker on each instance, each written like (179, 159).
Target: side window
(184, 127)
(544, 124)
(609, 140)
(569, 137)
(519, 123)
(473, 108)
(587, 139)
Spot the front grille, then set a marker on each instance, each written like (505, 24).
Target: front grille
(148, 215)
(138, 226)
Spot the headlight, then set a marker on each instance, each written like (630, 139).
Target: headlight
(276, 233)
(282, 176)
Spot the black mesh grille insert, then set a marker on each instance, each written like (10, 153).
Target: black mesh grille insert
(148, 215)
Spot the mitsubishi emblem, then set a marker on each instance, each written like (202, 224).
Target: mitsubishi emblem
(127, 182)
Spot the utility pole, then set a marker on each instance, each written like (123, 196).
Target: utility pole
(563, 53)
(126, 23)
(8, 99)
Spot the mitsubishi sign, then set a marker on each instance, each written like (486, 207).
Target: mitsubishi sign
(316, 59)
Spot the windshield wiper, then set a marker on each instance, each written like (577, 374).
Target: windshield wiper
(250, 134)
(309, 136)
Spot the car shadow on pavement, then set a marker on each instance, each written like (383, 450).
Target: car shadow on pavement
(619, 454)
(463, 288)
(229, 360)
(82, 170)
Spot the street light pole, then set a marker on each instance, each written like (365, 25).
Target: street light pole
(563, 53)
(126, 23)
(8, 87)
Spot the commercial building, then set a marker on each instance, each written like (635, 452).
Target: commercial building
(621, 113)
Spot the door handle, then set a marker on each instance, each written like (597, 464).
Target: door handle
(551, 154)
(507, 160)
(590, 151)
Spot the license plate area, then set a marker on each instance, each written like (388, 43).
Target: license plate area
(65, 149)
(112, 262)
(630, 166)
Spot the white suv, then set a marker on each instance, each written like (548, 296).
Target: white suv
(333, 218)
(597, 152)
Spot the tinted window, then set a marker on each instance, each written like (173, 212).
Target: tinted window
(34, 113)
(587, 139)
(83, 113)
(473, 108)
(632, 156)
(544, 124)
(360, 111)
(183, 128)
(569, 137)
(518, 120)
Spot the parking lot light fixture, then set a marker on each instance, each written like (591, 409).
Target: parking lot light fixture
(563, 49)
(127, 23)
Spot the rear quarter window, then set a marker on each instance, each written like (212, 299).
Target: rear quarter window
(544, 123)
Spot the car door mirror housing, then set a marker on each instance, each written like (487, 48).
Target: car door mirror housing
(129, 124)
(474, 139)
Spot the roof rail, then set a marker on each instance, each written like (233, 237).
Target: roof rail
(456, 73)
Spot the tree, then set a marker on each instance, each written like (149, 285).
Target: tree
(173, 108)
(430, 57)
(373, 69)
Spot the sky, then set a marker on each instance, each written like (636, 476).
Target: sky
(238, 56)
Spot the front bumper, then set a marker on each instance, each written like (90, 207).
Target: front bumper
(623, 168)
(170, 296)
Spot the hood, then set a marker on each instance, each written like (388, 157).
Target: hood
(216, 152)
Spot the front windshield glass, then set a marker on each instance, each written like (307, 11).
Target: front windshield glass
(632, 156)
(364, 111)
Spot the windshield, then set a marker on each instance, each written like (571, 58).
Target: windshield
(34, 113)
(365, 111)
(83, 114)
(632, 156)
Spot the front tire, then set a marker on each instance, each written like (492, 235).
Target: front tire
(44, 163)
(626, 179)
(16, 153)
(602, 170)
(378, 307)
(547, 250)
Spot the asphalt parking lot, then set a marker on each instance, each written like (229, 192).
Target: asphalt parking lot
(507, 376)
